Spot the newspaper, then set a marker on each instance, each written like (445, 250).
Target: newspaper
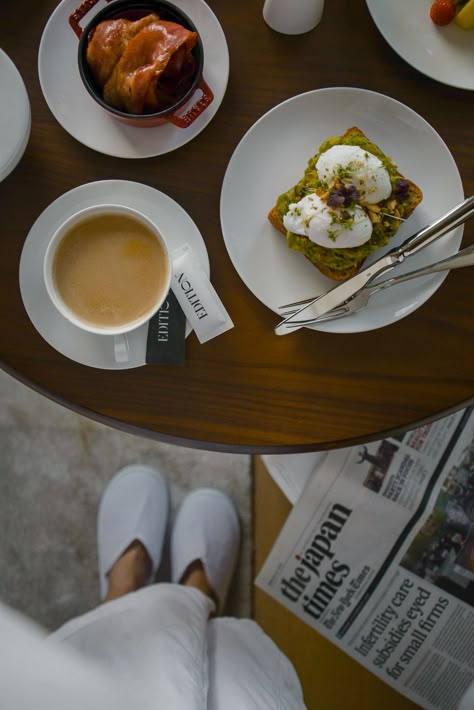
(378, 556)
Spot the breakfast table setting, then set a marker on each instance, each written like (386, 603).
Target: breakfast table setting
(235, 166)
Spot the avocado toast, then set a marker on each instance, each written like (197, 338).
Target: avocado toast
(342, 200)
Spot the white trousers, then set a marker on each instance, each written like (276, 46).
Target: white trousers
(154, 649)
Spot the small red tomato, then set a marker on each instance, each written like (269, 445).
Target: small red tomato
(442, 12)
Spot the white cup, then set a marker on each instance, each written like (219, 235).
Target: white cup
(119, 332)
(293, 17)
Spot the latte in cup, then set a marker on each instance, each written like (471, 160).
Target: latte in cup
(108, 269)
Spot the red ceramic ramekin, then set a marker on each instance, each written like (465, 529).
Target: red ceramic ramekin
(133, 10)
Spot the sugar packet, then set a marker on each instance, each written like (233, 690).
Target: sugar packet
(165, 344)
(197, 296)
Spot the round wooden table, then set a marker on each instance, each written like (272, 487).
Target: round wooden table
(247, 390)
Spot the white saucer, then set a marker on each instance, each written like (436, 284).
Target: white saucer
(445, 54)
(86, 121)
(15, 116)
(88, 348)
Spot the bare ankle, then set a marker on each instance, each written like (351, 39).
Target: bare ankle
(129, 572)
(195, 576)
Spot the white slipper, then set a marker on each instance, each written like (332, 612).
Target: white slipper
(207, 529)
(134, 506)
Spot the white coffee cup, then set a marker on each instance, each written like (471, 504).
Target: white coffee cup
(292, 17)
(118, 330)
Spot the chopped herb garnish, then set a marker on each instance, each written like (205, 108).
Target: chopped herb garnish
(344, 173)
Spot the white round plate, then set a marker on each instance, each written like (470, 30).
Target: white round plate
(15, 116)
(85, 120)
(88, 348)
(272, 157)
(445, 54)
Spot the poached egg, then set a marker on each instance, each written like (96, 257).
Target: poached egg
(353, 165)
(333, 228)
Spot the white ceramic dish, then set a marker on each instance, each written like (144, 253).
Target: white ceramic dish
(75, 343)
(442, 53)
(86, 121)
(15, 116)
(272, 157)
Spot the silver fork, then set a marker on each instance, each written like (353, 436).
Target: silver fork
(463, 258)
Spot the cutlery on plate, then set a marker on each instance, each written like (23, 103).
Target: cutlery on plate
(360, 300)
(321, 305)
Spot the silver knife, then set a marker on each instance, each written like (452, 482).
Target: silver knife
(343, 292)
(357, 303)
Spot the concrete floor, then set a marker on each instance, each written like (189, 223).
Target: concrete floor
(53, 468)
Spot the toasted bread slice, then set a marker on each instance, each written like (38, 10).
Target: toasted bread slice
(338, 275)
(341, 264)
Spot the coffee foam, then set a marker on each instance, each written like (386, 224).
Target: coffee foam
(110, 270)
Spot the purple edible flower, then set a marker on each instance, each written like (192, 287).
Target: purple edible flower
(343, 196)
(401, 188)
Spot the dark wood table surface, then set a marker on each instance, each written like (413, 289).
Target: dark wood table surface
(247, 390)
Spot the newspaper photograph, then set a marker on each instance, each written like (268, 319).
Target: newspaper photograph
(378, 556)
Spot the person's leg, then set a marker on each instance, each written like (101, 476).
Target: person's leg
(205, 544)
(246, 670)
(195, 576)
(132, 569)
(129, 572)
(131, 529)
(150, 638)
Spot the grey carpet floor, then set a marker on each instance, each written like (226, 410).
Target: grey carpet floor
(53, 468)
